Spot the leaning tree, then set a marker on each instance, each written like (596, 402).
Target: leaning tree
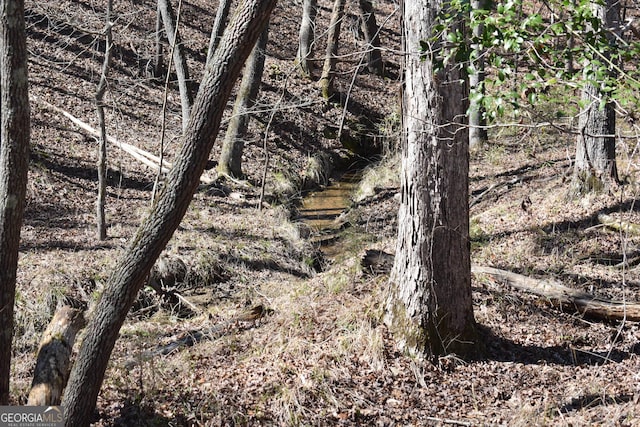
(153, 234)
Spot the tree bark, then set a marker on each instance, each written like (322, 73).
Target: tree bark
(102, 145)
(218, 26)
(231, 155)
(567, 298)
(158, 64)
(307, 36)
(595, 168)
(328, 70)
(179, 58)
(371, 37)
(429, 308)
(14, 164)
(477, 122)
(170, 206)
(54, 357)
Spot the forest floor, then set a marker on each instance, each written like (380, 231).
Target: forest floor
(319, 354)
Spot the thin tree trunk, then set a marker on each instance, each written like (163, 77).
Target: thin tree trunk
(218, 26)
(157, 58)
(307, 36)
(372, 37)
(179, 58)
(328, 70)
(231, 155)
(429, 308)
(14, 164)
(477, 122)
(102, 148)
(172, 203)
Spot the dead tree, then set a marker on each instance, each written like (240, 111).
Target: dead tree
(231, 155)
(328, 70)
(154, 233)
(54, 357)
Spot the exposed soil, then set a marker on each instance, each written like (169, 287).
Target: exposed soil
(320, 355)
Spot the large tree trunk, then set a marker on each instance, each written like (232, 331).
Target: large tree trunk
(14, 164)
(231, 155)
(371, 36)
(218, 26)
(172, 203)
(595, 169)
(429, 308)
(307, 36)
(179, 58)
(477, 122)
(328, 69)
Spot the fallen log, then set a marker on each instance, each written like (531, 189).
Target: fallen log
(562, 296)
(54, 357)
(619, 224)
(189, 338)
(137, 153)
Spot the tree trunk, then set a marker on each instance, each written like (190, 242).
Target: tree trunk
(371, 37)
(307, 36)
(595, 168)
(54, 357)
(14, 164)
(179, 59)
(477, 122)
(429, 308)
(157, 57)
(218, 26)
(328, 70)
(172, 203)
(102, 146)
(233, 145)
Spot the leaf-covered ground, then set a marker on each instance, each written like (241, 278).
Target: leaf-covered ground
(320, 355)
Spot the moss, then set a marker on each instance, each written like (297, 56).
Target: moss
(411, 336)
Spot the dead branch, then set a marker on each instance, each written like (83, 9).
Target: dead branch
(562, 296)
(137, 153)
(53, 362)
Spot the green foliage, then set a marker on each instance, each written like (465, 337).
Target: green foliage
(526, 51)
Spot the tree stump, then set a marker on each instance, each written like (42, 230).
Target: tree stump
(54, 357)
